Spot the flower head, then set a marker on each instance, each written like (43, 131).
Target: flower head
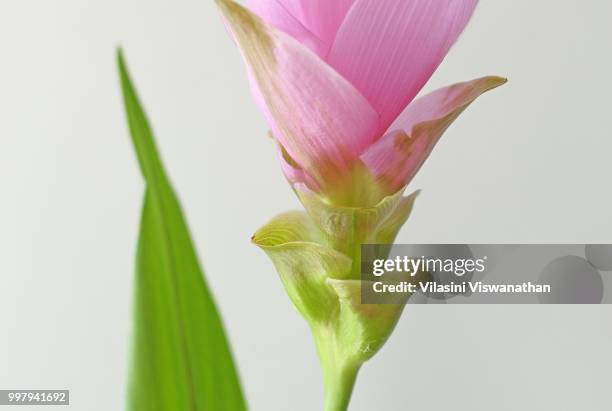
(337, 81)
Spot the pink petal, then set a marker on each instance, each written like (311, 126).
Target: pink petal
(321, 17)
(294, 173)
(322, 120)
(389, 49)
(397, 157)
(277, 15)
(261, 103)
(443, 101)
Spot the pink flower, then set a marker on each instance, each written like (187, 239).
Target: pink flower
(337, 81)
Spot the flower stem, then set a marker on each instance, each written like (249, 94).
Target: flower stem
(339, 373)
(339, 387)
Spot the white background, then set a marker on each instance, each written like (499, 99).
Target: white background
(527, 163)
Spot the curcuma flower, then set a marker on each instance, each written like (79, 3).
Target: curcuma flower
(336, 81)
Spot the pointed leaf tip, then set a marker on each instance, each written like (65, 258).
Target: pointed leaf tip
(180, 352)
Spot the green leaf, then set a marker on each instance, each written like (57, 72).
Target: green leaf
(180, 359)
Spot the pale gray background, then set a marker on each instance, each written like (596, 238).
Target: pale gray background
(527, 163)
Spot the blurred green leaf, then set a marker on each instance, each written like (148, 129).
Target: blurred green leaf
(180, 358)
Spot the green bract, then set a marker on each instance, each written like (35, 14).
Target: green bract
(317, 254)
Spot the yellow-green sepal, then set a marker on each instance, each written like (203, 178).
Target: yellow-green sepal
(303, 264)
(346, 228)
(319, 273)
